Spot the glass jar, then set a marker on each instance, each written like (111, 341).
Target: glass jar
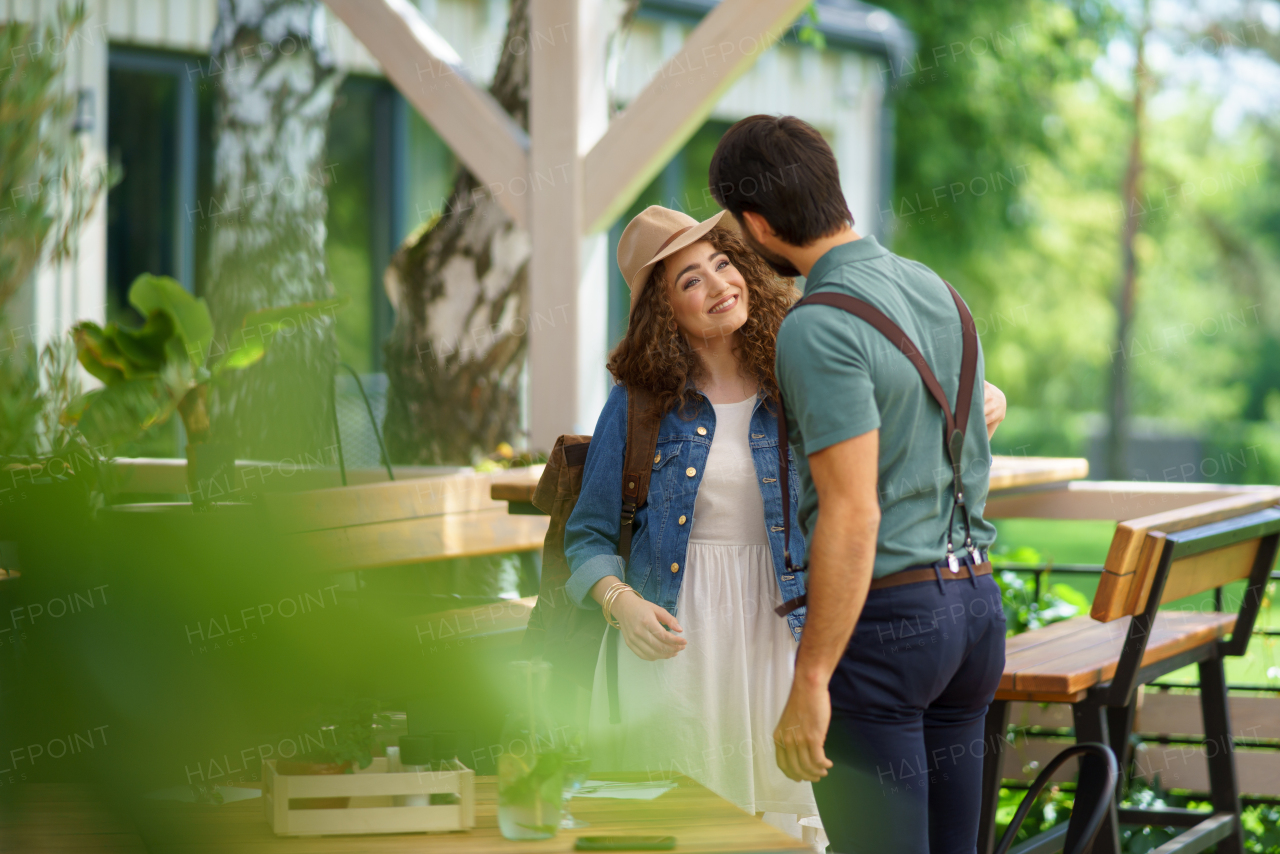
(530, 768)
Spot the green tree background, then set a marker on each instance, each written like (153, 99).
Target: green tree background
(1032, 101)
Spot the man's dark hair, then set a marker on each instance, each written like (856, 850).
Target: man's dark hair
(782, 169)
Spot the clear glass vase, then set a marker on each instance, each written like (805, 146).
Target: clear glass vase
(530, 768)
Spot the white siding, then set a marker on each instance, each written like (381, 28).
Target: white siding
(837, 91)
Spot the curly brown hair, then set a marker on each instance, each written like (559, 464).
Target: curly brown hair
(655, 355)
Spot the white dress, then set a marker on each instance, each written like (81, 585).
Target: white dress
(710, 711)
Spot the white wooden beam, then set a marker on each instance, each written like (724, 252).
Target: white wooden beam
(676, 102)
(431, 76)
(567, 274)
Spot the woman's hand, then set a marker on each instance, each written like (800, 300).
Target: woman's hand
(643, 628)
(993, 407)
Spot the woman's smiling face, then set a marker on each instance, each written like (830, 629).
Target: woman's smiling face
(707, 293)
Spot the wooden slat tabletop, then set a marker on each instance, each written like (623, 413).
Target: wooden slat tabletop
(61, 818)
(1007, 473)
(411, 541)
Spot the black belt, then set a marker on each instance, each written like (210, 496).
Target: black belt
(913, 575)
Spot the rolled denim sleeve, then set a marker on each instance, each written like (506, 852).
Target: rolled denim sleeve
(592, 532)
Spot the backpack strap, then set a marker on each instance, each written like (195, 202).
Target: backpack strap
(957, 421)
(637, 466)
(637, 462)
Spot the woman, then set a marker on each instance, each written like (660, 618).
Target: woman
(699, 695)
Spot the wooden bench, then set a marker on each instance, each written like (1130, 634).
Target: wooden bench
(404, 522)
(1096, 663)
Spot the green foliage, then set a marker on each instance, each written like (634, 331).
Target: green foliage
(45, 196)
(807, 31)
(1023, 610)
(1261, 823)
(347, 731)
(20, 403)
(35, 393)
(970, 103)
(165, 365)
(1052, 807)
(1002, 101)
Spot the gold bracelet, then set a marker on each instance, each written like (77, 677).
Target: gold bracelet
(609, 618)
(607, 603)
(615, 590)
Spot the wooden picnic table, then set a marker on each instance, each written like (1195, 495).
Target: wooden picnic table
(49, 818)
(1008, 475)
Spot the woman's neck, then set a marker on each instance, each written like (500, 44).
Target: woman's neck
(723, 379)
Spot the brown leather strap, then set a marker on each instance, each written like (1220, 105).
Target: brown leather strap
(897, 579)
(968, 364)
(643, 421)
(637, 461)
(896, 336)
(929, 573)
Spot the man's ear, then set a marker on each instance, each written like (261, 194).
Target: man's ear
(757, 226)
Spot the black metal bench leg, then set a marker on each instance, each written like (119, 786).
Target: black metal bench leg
(1219, 750)
(1120, 727)
(993, 755)
(1091, 725)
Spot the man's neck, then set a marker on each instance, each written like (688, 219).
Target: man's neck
(804, 257)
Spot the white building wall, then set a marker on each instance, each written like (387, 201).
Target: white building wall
(835, 90)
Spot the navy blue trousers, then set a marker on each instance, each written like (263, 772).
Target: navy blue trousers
(908, 702)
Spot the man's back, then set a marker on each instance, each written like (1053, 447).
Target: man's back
(842, 378)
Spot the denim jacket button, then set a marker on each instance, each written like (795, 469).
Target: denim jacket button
(682, 518)
(691, 471)
(675, 567)
(702, 431)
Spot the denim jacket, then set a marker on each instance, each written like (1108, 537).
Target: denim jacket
(661, 538)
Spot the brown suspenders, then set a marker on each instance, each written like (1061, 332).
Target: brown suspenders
(957, 421)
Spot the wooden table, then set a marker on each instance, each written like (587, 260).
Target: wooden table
(1008, 475)
(55, 818)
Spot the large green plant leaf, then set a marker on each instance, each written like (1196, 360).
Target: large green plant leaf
(190, 315)
(119, 413)
(145, 347)
(99, 353)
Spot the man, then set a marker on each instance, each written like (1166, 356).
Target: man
(896, 667)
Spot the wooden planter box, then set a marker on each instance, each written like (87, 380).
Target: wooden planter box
(371, 809)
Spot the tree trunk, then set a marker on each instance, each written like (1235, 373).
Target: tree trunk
(1118, 433)
(276, 83)
(460, 291)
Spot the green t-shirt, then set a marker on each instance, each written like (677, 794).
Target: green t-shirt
(841, 378)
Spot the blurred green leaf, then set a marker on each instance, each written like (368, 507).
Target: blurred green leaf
(190, 315)
(117, 413)
(145, 347)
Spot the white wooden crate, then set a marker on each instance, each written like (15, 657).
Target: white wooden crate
(371, 809)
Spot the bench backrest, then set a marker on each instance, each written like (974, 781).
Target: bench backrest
(1139, 544)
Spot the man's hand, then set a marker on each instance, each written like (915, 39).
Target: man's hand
(802, 730)
(841, 561)
(993, 407)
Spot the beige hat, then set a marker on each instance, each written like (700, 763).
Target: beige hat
(655, 233)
